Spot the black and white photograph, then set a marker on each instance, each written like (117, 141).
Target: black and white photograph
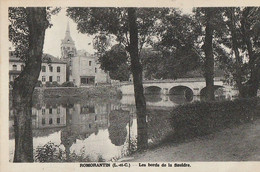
(102, 85)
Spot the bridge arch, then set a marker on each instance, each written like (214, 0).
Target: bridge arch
(186, 91)
(152, 90)
(218, 90)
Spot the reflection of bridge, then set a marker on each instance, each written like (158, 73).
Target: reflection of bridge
(191, 86)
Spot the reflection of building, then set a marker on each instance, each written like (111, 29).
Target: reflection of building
(50, 117)
(53, 69)
(89, 118)
(82, 68)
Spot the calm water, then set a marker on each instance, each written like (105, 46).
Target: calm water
(96, 129)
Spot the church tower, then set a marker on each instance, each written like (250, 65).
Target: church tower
(68, 51)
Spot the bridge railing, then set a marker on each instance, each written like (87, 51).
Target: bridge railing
(180, 80)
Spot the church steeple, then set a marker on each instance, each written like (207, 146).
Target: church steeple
(68, 28)
(68, 48)
(68, 51)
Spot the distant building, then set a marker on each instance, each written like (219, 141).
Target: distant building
(79, 67)
(53, 69)
(82, 68)
(86, 70)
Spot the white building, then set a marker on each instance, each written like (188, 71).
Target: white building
(53, 69)
(82, 68)
(79, 67)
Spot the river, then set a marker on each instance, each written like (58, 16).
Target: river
(95, 129)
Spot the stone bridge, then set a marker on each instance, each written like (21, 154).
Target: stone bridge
(184, 86)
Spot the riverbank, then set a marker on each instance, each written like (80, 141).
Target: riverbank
(105, 91)
(237, 142)
(240, 143)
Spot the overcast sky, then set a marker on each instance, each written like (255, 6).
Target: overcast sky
(56, 33)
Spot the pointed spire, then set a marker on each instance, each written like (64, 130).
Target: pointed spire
(68, 27)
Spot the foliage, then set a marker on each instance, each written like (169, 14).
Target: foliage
(242, 38)
(68, 84)
(177, 50)
(117, 129)
(51, 152)
(115, 61)
(39, 83)
(48, 153)
(18, 29)
(201, 118)
(112, 24)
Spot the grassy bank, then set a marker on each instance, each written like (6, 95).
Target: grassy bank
(189, 121)
(203, 118)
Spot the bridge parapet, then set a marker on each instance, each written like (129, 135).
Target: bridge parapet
(194, 84)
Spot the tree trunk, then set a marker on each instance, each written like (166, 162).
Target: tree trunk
(253, 83)
(142, 137)
(209, 58)
(234, 38)
(25, 83)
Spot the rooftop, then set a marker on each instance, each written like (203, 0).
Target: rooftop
(46, 58)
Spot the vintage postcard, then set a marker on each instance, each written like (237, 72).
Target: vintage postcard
(129, 85)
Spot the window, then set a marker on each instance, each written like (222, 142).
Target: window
(50, 68)
(50, 121)
(50, 111)
(43, 78)
(89, 125)
(58, 78)
(14, 67)
(58, 69)
(43, 68)
(58, 120)
(43, 111)
(58, 110)
(50, 78)
(43, 121)
(89, 63)
(95, 70)
(95, 117)
(22, 67)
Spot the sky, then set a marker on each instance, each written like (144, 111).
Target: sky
(56, 33)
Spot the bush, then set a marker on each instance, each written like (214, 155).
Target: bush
(202, 118)
(55, 84)
(48, 84)
(68, 84)
(39, 83)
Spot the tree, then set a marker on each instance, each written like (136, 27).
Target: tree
(116, 62)
(212, 22)
(209, 58)
(26, 32)
(242, 38)
(131, 27)
(177, 50)
(250, 18)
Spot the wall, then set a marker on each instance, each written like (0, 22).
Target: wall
(54, 73)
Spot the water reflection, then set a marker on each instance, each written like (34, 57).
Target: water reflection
(102, 129)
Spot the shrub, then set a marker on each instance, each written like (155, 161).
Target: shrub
(201, 118)
(39, 83)
(68, 84)
(48, 84)
(55, 84)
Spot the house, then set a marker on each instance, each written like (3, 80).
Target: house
(52, 69)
